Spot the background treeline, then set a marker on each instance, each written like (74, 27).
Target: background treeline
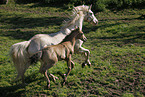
(99, 5)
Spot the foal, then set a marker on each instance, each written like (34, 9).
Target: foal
(54, 53)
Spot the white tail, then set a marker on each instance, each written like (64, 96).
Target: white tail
(20, 57)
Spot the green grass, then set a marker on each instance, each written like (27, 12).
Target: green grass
(117, 46)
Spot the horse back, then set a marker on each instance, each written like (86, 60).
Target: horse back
(54, 53)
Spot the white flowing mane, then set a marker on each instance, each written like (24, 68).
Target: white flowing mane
(77, 12)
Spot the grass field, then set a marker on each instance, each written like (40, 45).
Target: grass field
(117, 46)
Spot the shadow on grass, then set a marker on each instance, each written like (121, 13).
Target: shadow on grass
(26, 35)
(136, 34)
(19, 90)
(19, 22)
(54, 4)
(33, 77)
(12, 91)
(121, 35)
(141, 17)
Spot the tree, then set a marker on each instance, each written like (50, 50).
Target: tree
(3, 1)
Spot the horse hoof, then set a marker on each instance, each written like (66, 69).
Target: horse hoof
(89, 64)
(83, 65)
(62, 75)
(48, 86)
(63, 83)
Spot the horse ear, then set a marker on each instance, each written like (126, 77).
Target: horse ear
(90, 6)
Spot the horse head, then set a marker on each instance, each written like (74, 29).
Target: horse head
(88, 13)
(79, 34)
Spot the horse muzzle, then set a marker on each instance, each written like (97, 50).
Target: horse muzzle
(95, 23)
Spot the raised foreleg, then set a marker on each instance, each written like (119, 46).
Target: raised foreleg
(86, 52)
(72, 64)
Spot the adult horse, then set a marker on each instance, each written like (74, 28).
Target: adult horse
(20, 52)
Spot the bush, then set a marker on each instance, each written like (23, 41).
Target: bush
(101, 5)
(3, 1)
(98, 5)
(28, 1)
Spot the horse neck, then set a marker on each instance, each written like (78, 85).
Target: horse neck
(70, 38)
(79, 22)
(67, 30)
(71, 43)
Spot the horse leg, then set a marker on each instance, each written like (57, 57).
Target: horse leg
(86, 52)
(48, 81)
(43, 69)
(53, 77)
(72, 64)
(69, 69)
(63, 75)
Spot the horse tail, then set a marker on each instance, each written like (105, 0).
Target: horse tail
(20, 57)
(36, 57)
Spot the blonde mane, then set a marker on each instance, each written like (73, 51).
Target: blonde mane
(77, 12)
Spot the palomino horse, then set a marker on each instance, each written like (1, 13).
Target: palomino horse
(20, 52)
(49, 55)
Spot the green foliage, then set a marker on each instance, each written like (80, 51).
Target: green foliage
(101, 5)
(98, 5)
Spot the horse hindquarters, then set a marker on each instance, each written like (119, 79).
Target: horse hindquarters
(20, 57)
